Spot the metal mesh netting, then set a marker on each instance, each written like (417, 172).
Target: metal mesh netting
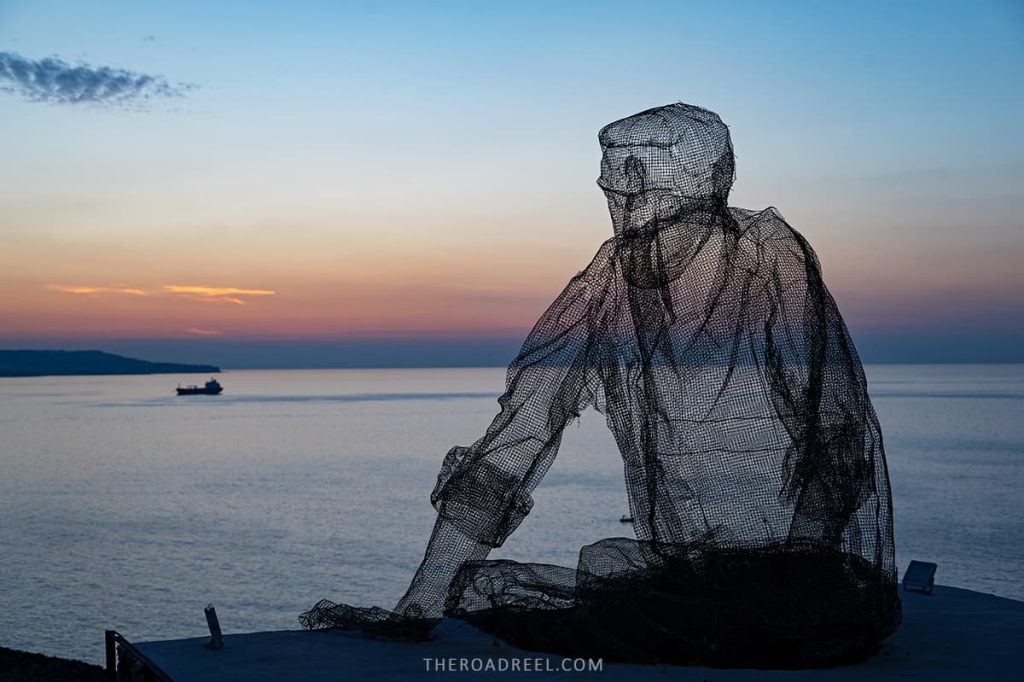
(753, 458)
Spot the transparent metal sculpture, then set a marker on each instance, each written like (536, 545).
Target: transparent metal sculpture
(753, 458)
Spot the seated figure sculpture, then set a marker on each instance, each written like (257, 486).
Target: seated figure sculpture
(753, 458)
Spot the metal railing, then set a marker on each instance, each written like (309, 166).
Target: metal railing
(125, 663)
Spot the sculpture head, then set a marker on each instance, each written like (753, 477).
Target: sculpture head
(664, 163)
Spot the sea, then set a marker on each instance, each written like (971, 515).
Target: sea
(124, 506)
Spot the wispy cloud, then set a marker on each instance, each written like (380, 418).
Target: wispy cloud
(232, 295)
(97, 290)
(55, 81)
(216, 294)
(203, 332)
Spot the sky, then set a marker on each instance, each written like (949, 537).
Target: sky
(332, 183)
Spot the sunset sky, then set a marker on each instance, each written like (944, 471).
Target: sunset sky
(202, 179)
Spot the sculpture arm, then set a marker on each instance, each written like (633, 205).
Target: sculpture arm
(483, 491)
(820, 393)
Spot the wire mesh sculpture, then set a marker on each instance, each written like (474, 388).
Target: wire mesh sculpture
(753, 457)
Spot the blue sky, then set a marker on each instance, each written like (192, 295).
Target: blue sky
(348, 155)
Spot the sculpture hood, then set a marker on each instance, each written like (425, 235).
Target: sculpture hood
(664, 163)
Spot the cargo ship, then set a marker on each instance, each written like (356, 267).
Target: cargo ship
(211, 387)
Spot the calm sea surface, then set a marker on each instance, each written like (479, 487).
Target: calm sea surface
(123, 506)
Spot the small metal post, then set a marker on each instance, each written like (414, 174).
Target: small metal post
(111, 649)
(216, 639)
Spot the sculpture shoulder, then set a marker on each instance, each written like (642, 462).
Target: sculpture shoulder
(768, 233)
(599, 266)
(762, 225)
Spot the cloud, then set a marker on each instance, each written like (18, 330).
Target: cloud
(201, 293)
(216, 294)
(203, 332)
(55, 81)
(97, 290)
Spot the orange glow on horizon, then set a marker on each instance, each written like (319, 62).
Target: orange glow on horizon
(314, 308)
(382, 278)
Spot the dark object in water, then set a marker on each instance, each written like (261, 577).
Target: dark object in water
(753, 457)
(211, 387)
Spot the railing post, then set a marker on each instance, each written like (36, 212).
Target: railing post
(111, 648)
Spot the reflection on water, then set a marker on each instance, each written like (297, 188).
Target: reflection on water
(125, 506)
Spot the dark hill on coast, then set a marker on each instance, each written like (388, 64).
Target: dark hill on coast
(36, 363)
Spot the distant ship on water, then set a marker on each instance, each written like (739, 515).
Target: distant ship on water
(211, 387)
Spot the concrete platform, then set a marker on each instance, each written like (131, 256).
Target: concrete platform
(953, 635)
